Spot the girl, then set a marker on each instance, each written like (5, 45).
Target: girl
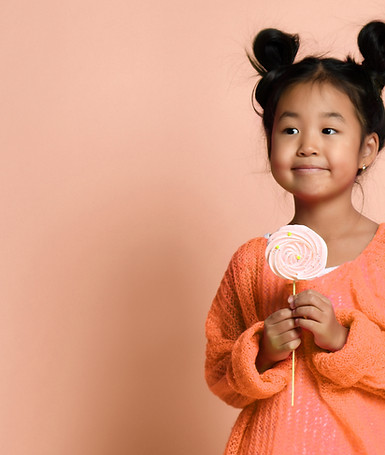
(325, 123)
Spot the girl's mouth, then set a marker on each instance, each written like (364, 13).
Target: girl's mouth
(309, 169)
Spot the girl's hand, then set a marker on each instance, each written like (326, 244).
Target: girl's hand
(280, 337)
(315, 312)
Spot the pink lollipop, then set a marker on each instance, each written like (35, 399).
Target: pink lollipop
(296, 253)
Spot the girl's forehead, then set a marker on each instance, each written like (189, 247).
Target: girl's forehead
(315, 97)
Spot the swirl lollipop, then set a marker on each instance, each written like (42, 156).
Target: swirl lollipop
(296, 253)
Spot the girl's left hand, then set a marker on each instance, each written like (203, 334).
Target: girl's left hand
(314, 312)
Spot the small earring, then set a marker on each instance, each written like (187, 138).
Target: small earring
(364, 167)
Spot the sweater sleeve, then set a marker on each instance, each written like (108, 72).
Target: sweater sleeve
(232, 349)
(361, 362)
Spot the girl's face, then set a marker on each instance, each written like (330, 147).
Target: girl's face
(316, 142)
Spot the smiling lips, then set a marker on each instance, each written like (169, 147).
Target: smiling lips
(308, 168)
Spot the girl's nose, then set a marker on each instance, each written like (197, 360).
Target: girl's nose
(307, 147)
(307, 151)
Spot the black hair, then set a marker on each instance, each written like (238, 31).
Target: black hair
(273, 58)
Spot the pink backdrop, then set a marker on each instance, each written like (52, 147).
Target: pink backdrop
(132, 166)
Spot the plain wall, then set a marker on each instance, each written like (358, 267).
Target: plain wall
(132, 167)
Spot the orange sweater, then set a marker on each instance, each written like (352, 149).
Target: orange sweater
(340, 397)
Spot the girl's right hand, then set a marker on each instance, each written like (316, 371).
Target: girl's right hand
(280, 338)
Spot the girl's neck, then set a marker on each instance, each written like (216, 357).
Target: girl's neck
(332, 222)
(346, 232)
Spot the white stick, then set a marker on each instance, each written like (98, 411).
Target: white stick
(293, 362)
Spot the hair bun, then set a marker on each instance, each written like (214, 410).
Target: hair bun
(273, 49)
(371, 42)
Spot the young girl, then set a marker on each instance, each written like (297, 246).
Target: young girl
(325, 123)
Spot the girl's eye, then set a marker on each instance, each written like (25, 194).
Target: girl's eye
(291, 131)
(329, 131)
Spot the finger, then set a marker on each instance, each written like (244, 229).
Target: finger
(287, 337)
(280, 327)
(292, 345)
(308, 324)
(308, 312)
(312, 294)
(279, 316)
(309, 298)
(280, 342)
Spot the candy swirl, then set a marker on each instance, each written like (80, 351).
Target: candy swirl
(296, 252)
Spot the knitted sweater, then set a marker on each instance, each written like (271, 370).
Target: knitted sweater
(339, 397)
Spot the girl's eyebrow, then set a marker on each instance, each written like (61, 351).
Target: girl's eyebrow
(290, 114)
(335, 115)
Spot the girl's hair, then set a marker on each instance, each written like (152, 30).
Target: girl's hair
(273, 57)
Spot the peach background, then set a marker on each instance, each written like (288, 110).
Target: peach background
(132, 166)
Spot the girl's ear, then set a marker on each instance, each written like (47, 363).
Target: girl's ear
(369, 149)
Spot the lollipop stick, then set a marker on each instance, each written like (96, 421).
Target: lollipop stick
(295, 252)
(293, 363)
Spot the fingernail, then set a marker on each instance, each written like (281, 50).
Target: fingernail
(290, 299)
